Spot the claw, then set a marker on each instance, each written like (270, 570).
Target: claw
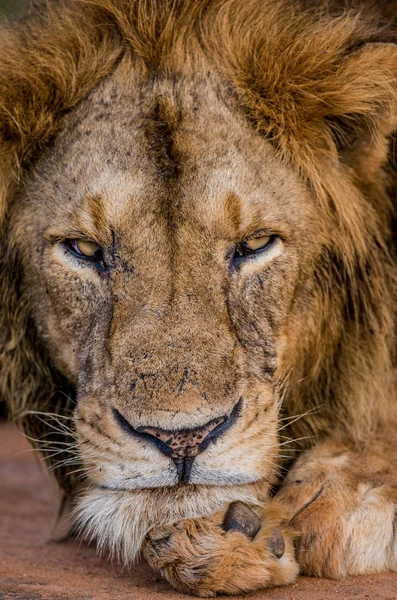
(276, 543)
(241, 517)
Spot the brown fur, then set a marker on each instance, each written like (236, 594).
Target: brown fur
(301, 106)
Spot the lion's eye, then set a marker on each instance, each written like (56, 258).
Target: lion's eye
(85, 249)
(258, 243)
(254, 245)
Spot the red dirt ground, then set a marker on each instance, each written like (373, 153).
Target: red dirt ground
(32, 568)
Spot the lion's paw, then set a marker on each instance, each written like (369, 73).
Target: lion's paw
(226, 553)
(345, 513)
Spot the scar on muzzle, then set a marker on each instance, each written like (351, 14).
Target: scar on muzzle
(242, 518)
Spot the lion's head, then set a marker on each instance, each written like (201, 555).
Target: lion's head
(196, 229)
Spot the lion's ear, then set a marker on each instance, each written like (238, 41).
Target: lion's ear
(361, 109)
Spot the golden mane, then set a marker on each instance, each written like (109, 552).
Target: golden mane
(310, 82)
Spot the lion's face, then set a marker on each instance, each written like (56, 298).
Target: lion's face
(167, 253)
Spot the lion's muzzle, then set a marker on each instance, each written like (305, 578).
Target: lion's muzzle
(181, 445)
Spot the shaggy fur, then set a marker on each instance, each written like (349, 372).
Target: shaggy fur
(319, 87)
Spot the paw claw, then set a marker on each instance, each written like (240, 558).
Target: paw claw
(240, 517)
(276, 543)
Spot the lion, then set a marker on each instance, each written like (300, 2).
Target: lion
(198, 280)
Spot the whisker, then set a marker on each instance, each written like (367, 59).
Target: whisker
(74, 460)
(45, 414)
(62, 393)
(83, 471)
(44, 442)
(293, 441)
(53, 453)
(295, 418)
(64, 428)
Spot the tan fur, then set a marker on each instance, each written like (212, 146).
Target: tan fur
(168, 133)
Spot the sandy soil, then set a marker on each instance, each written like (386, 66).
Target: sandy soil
(33, 568)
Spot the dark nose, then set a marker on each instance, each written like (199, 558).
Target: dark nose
(182, 445)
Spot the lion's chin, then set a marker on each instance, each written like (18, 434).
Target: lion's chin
(120, 520)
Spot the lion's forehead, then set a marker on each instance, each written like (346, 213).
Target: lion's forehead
(138, 149)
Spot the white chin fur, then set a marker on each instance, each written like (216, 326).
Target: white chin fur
(119, 521)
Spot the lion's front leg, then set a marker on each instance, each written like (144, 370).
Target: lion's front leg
(213, 555)
(344, 504)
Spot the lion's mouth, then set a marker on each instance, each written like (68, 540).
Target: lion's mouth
(177, 487)
(197, 478)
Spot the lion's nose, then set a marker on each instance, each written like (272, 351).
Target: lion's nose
(185, 443)
(182, 445)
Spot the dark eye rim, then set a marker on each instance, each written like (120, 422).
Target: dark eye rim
(71, 246)
(242, 250)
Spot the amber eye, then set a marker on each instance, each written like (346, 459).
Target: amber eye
(85, 249)
(254, 245)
